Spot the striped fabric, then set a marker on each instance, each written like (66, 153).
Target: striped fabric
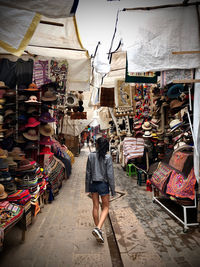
(133, 148)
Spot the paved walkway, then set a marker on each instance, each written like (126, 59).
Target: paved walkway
(61, 234)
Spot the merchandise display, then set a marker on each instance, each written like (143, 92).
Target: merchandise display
(31, 170)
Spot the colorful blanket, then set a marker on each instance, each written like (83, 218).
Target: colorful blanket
(178, 186)
(160, 176)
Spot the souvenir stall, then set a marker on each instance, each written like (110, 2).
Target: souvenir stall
(152, 137)
(33, 162)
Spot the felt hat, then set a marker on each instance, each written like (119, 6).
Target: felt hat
(32, 87)
(11, 162)
(46, 130)
(49, 95)
(3, 194)
(71, 100)
(46, 150)
(31, 134)
(24, 165)
(146, 126)
(10, 93)
(175, 90)
(22, 98)
(16, 153)
(2, 100)
(2, 92)
(9, 132)
(31, 110)
(20, 139)
(31, 146)
(139, 134)
(32, 99)
(2, 85)
(2, 129)
(46, 140)
(147, 134)
(3, 163)
(9, 112)
(175, 103)
(32, 122)
(154, 135)
(137, 127)
(22, 117)
(46, 117)
(174, 124)
(3, 154)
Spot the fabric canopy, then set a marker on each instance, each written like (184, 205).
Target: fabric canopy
(17, 28)
(50, 8)
(150, 37)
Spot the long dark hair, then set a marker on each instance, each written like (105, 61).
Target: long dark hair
(102, 147)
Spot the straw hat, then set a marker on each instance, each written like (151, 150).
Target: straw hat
(3, 194)
(2, 85)
(146, 126)
(31, 134)
(46, 130)
(175, 124)
(147, 134)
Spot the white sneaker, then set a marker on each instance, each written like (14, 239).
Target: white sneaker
(98, 234)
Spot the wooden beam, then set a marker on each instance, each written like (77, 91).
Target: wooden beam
(52, 23)
(185, 52)
(187, 81)
(54, 47)
(158, 7)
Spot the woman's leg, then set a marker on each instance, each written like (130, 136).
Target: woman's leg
(105, 210)
(95, 211)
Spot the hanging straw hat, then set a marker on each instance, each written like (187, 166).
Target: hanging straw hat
(46, 130)
(31, 134)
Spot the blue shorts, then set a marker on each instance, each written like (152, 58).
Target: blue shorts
(102, 188)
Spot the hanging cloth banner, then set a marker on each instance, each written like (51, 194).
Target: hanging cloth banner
(141, 77)
(17, 28)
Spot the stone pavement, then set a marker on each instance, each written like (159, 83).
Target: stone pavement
(61, 234)
(146, 234)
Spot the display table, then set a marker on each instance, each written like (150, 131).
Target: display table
(6, 226)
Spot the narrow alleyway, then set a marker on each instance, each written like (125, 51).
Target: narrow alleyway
(61, 235)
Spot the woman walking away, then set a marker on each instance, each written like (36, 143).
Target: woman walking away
(99, 180)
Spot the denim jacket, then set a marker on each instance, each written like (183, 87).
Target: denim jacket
(99, 170)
